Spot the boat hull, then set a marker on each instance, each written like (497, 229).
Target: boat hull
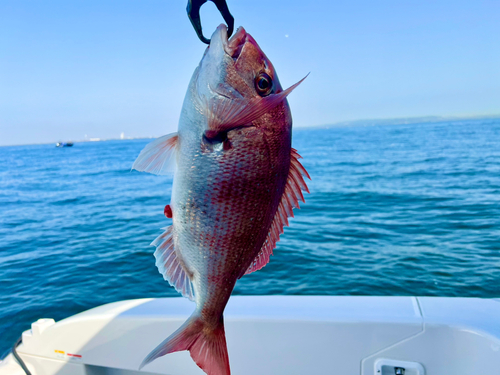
(276, 335)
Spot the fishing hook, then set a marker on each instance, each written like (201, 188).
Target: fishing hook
(193, 11)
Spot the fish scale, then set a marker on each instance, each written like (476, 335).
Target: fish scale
(236, 182)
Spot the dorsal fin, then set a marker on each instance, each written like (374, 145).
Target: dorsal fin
(169, 264)
(158, 157)
(295, 184)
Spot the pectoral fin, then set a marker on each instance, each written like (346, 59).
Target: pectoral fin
(224, 114)
(158, 157)
(293, 193)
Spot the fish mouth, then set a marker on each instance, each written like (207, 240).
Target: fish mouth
(234, 45)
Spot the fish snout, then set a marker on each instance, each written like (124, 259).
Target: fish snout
(232, 46)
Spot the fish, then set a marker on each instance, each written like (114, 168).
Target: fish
(236, 181)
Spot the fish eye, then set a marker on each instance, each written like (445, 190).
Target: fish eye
(263, 84)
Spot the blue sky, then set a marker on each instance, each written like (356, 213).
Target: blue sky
(99, 68)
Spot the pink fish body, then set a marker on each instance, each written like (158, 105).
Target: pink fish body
(236, 182)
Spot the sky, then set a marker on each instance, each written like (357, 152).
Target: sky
(71, 70)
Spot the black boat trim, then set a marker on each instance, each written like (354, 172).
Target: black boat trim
(18, 358)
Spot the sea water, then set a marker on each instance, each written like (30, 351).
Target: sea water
(394, 210)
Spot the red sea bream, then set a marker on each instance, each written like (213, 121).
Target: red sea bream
(236, 181)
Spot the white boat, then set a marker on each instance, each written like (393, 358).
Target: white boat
(277, 335)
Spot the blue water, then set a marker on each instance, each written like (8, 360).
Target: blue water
(393, 210)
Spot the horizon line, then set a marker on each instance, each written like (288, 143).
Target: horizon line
(348, 123)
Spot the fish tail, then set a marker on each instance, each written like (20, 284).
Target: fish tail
(206, 344)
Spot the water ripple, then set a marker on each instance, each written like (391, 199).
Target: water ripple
(393, 210)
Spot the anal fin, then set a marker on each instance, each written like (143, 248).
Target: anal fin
(169, 264)
(295, 184)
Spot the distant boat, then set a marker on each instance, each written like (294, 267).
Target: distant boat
(64, 144)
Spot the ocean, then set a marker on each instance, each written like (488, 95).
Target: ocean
(394, 210)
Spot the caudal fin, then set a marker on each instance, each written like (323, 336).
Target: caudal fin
(207, 346)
